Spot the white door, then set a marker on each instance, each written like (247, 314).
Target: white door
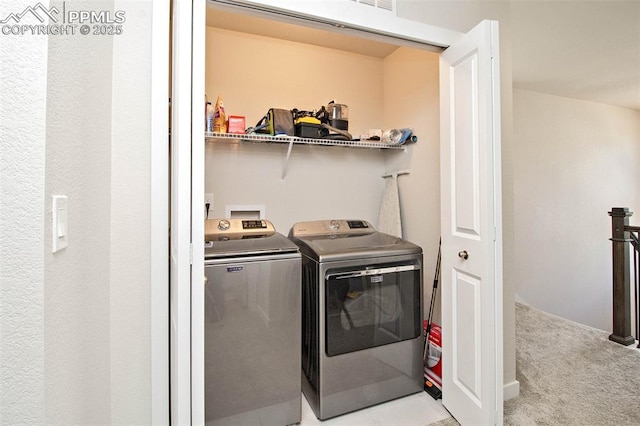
(471, 227)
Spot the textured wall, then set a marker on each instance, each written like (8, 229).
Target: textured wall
(22, 216)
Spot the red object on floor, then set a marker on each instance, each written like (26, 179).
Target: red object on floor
(433, 363)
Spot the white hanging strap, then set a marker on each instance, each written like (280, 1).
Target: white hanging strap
(396, 174)
(286, 160)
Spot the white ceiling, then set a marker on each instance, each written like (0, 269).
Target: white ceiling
(578, 49)
(586, 50)
(317, 37)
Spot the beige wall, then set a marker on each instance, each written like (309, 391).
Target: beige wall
(400, 90)
(573, 160)
(321, 182)
(254, 73)
(411, 99)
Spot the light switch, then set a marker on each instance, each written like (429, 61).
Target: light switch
(59, 226)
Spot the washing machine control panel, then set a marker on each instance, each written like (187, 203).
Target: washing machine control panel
(331, 227)
(358, 224)
(255, 224)
(228, 229)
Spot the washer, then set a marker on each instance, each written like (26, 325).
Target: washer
(362, 315)
(252, 324)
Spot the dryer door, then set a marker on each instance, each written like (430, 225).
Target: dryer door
(370, 306)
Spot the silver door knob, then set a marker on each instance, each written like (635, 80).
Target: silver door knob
(463, 255)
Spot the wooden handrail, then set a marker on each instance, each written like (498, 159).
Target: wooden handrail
(621, 276)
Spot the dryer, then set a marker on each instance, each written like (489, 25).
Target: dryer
(361, 315)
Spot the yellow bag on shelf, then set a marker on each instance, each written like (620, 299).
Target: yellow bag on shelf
(219, 117)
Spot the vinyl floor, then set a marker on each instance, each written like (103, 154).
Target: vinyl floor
(418, 409)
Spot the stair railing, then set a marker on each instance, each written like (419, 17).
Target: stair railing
(623, 238)
(634, 233)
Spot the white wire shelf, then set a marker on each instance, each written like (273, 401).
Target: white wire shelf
(291, 140)
(256, 138)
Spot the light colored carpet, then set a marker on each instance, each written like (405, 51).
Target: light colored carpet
(570, 374)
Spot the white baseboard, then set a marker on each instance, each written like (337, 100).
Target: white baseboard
(511, 390)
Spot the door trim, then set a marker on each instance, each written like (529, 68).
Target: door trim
(197, 210)
(182, 216)
(160, 213)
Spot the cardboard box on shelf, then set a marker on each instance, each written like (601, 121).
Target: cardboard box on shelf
(236, 124)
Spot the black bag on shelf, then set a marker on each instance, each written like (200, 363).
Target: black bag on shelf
(277, 121)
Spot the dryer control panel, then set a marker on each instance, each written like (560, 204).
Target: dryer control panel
(331, 227)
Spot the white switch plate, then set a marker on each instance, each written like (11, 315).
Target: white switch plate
(59, 225)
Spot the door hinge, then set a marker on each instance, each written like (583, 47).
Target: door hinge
(190, 253)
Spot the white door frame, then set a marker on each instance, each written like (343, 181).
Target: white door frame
(187, 247)
(187, 222)
(197, 211)
(159, 213)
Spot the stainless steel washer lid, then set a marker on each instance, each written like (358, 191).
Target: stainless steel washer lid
(226, 238)
(259, 246)
(356, 242)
